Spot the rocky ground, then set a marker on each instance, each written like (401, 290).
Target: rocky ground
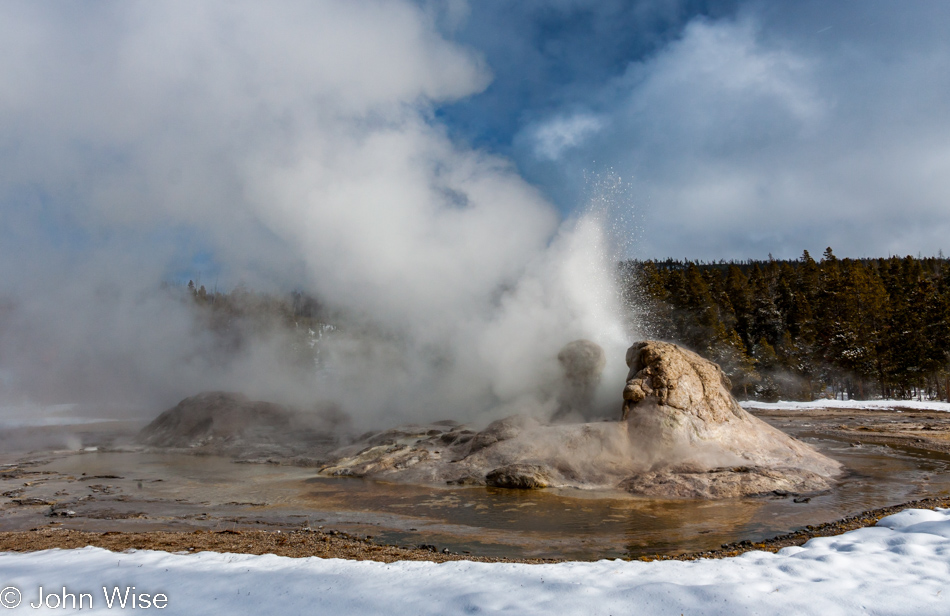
(901, 427)
(334, 544)
(681, 435)
(41, 508)
(295, 543)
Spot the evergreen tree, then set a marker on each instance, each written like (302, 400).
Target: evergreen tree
(799, 328)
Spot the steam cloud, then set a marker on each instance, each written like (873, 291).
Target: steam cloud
(297, 143)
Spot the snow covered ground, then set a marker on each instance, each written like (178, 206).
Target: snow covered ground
(901, 566)
(28, 415)
(847, 404)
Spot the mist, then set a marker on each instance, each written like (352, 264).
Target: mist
(299, 146)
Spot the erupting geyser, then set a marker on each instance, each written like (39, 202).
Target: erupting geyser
(681, 435)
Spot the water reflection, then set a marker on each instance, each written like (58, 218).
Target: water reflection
(550, 523)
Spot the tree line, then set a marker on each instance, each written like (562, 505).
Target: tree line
(228, 322)
(781, 329)
(803, 329)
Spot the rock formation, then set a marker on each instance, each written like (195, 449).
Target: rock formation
(697, 437)
(583, 362)
(232, 424)
(682, 435)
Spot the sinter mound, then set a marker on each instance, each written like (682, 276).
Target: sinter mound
(228, 423)
(682, 434)
(582, 362)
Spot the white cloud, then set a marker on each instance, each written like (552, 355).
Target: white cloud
(297, 140)
(552, 137)
(746, 137)
(720, 68)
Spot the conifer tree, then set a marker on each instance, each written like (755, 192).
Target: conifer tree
(798, 328)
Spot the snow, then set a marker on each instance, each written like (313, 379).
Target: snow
(29, 415)
(784, 405)
(901, 566)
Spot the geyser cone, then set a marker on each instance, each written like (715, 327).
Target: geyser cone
(682, 435)
(699, 440)
(583, 362)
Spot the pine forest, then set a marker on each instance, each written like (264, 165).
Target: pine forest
(803, 329)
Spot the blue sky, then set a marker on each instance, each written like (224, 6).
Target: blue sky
(548, 55)
(744, 128)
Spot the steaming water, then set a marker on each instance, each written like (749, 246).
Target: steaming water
(571, 524)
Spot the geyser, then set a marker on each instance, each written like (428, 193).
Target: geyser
(583, 362)
(696, 438)
(681, 435)
(321, 166)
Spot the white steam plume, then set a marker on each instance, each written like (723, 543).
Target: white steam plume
(297, 142)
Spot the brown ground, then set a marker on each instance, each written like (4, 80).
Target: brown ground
(902, 427)
(294, 543)
(926, 430)
(332, 544)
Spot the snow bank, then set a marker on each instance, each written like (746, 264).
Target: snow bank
(901, 566)
(28, 415)
(783, 405)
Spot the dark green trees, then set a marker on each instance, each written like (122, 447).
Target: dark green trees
(801, 329)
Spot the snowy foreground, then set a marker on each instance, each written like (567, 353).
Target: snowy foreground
(784, 405)
(902, 566)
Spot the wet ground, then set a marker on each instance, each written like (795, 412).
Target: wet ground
(892, 457)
